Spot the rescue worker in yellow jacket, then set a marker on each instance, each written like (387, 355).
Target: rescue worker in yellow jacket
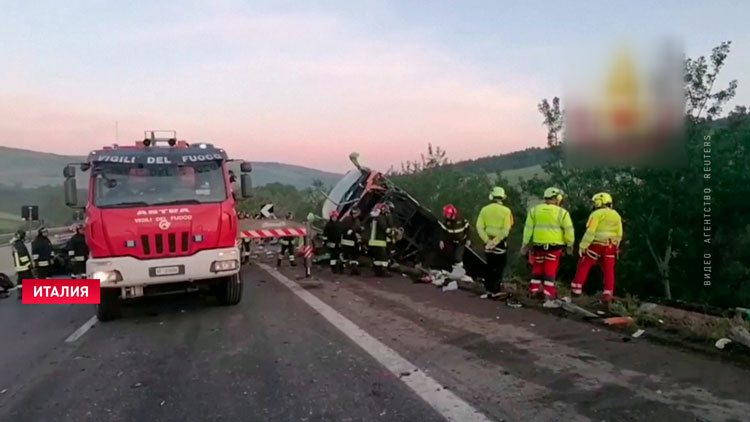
(547, 232)
(600, 245)
(493, 226)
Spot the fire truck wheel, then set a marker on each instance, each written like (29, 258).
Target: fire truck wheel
(109, 305)
(230, 290)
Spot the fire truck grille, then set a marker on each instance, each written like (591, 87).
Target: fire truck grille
(159, 244)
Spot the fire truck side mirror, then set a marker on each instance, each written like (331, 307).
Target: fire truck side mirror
(246, 167)
(246, 185)
(71, 192)
(69, 171)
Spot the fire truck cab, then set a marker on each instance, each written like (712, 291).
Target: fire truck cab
(160, 218)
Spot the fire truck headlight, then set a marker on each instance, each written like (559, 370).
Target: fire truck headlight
(107, 276)
(226, 265)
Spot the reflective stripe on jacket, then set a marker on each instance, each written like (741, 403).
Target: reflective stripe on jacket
(455, 230)
(548, 224)
(21, 258)
(604, 226)
(494, 222)
(379, 232)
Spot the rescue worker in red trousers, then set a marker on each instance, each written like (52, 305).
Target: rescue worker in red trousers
(493, 226)
(351, 239)
(42, 253)
(332, 239)
(380, 229)
(454, 235)
(548, 231)
(21, 259)
(600, 245)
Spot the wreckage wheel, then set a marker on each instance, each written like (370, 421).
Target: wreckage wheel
(108, 308)
(229, 291)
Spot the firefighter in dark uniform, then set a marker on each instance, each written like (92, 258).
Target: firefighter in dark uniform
(351, 239)
(42, 253)
(379, 238)
(287, 245)
(245, 240)
(21, 259)
(455, 231)
(78, 252)
(332, 238)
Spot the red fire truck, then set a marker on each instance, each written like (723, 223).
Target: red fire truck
(160, 218)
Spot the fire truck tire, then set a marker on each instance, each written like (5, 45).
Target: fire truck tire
(230, 291)
(108, 308)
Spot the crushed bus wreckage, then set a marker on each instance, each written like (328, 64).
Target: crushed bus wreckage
(416, 251)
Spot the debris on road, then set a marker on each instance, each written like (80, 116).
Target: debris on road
(552, 304)
(722, 343)
(453, 285)
(4, 391)
(638, 333)
(573, 308)
(513, 303)
(740, 335)
(618, 321)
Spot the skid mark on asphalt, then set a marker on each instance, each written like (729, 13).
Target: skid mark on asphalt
(82, 330)
(450, 406)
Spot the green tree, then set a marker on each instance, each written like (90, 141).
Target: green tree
(662, 208)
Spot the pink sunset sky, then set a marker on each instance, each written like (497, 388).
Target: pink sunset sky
(304, 85)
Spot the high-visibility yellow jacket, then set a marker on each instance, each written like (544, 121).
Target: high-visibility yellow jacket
(494, 222)
(548, 224)
(604, 226)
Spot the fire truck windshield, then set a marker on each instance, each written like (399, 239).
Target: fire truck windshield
(122, 185)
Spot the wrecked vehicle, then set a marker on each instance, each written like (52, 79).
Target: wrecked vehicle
(363, 188)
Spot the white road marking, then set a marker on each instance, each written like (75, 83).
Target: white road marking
(449, 405)
(82, 330)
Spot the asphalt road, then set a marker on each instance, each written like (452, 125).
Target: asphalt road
(328, 349)
(182, 358)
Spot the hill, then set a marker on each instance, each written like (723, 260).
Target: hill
(530, 157)
(31, 169)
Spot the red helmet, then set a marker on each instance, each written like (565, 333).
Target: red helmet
(334, 214)
(450, 212)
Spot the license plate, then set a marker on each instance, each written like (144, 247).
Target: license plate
(173, 270)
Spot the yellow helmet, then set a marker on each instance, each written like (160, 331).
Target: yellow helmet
(554, 193)
(497, 193)
(601, 199)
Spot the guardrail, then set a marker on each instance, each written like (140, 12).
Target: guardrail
(6, 238)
